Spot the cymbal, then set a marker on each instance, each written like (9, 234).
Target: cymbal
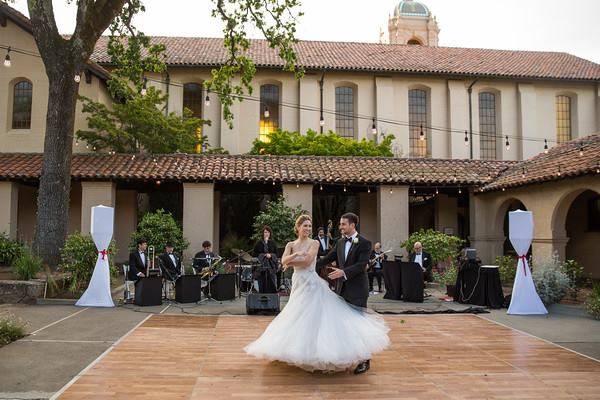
(237, 251)
(246, 257)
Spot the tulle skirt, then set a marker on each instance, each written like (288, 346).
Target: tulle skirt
(318, 330)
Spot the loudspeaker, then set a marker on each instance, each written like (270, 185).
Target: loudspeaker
(188, 289)
(222, 287)
(148, 291)
(263, 303)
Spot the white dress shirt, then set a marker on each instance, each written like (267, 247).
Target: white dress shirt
(172, 257)
(419, 259)
(348, 244)
(323, 243)
(143, 257)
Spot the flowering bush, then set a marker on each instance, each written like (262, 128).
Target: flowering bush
(550, 281)
(592, 304)
(446, 277)
(441, 246)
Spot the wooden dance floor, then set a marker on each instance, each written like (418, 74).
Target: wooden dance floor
(431, 357)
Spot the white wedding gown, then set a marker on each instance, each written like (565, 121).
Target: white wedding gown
(318, 330)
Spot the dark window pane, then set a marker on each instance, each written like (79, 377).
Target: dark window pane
(563, 119)
(344, 111)
(417, 119)
(269, 100)
(487, 126)
(21, 116)
(192, 98)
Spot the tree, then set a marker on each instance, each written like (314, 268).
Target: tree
(280, 218)
(314, 144)
(65, 57)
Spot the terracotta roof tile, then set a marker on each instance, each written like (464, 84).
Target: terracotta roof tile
(284, 169)
(319, 55)
(562, 161)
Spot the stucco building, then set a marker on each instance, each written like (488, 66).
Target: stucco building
(467, 123)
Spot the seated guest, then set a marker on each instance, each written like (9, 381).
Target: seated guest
(204, 258)
(170, 262)
(138, 261)
(324, 242)
(422, 258)
(376, 266)
(266, 252)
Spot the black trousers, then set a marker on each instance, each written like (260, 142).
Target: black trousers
(378, 274)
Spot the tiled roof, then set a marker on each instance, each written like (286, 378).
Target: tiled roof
(373, 57)
(21, 20)
(562, 161)
(242, 168)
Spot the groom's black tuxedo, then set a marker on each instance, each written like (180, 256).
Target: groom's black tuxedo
(355, 289)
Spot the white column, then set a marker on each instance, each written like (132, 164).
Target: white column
(9, 200)
(198, 215)
(528, 122)
(95, 194)
(301, 195)
(392, 203)
(310, 99)
(458, 116)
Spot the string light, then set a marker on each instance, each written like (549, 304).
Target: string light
(322, 120)
(77, 78)
(207, 99)
(7, 58)
(144, 90)
(523, 174)
(157, 183)
(267, 114)
(414, 191)
(559, 171)
(437, 191)
(504, 189)
(581, 150)
(321, 187)
(459, 190)
(598, 167)
(507, 143)
(76, 142)
(344, 188)
(374, 128)
(273, 182)
(546, 146)
(297, 185)
(391, 191)
(421, 135)
(466, 139)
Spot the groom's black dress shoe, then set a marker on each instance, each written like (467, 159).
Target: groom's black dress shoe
(362, 367)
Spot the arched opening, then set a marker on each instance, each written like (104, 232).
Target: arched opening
(414, 42)
(582, 225)
(511, 205)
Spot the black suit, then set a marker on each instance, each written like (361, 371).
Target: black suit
(266, 275)
(323, 251)
(355, 289)
(170, 271)
(136, 265)
(376, 273)
(201, 260)
(426, 259)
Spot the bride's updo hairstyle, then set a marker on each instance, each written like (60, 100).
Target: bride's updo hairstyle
(300, 220)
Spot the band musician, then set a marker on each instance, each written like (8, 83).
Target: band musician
(138, 261)
(205, 257)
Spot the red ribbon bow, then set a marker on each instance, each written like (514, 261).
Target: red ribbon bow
(523, 258)
(103, 252)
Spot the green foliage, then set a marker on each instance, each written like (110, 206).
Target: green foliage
(138, 123)
(442, 247)
(10, 249)
(280, 218)
(447, 276)
(26, 266)
(315, 144)
(592, 304)
(233, 241)
(11, 329)
(551, 283)
(159, 228)
(576, 276)
(78, 257)
(508, 269)
(276, 20)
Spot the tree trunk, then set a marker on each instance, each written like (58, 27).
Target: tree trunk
(55, 181)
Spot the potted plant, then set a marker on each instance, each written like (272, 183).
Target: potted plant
(447, 277)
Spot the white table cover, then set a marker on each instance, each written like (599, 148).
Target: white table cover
(525, 300)
(98, 292)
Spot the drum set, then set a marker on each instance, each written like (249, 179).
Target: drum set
(246, 271)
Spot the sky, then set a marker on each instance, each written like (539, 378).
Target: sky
(570, 26)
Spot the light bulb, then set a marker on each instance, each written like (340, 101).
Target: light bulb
(207, 101)
(546, 146)
(77, 78)
(459, 190)
(421, 135)
(581, 151)
(320, 187)
(297, 185)
(344, 188)
(507, 144)
(466, 139)
(7, 58)
(391, 191)
(267, 114)
(321, 122)
(368, 190)
(374, 128)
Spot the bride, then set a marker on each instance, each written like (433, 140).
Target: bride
(317, 329)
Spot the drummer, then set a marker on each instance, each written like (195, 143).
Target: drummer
(205, 257)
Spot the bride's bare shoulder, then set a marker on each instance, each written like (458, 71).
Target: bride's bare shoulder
(290, 245)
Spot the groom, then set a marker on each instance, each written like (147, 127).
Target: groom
(351, 253)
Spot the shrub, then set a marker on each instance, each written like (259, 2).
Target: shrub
(576, 276)
(159, 228)
(446, 277)
(551, 282)
(78, 256)
(10, 249)
(442, 247)
(233, 241)
(280, 218)
(11, 329)
(507, 266)
(26, 266)
(592, 304)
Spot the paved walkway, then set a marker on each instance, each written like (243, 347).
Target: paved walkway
(65, 339)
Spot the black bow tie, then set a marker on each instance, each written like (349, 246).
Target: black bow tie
(348, 239)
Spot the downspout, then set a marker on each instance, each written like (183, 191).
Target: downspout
(470, 91)
(168, 83)
(321, 104)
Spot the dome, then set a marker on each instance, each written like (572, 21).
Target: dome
(411, 8)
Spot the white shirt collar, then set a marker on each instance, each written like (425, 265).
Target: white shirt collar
(355, 235)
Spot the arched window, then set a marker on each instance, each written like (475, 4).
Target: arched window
(21, 112)
(344, 111)
(563, 119)
(269, 111)
(192, 98)
(414, 41)
(487, 126)
(417, 119)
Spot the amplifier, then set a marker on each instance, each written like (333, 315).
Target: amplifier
(266, 303)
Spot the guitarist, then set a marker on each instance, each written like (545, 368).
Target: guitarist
(376, 266)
